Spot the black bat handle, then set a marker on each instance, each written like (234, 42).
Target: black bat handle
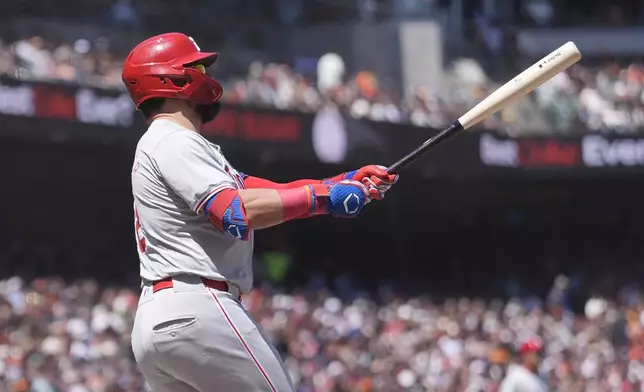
(452, 130)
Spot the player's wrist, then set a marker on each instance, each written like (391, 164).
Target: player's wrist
(345, 198)
(319, 199)
(304, 201)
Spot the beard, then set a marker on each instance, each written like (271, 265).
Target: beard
(208, 112)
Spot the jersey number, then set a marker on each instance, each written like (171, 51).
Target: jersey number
(138, 231)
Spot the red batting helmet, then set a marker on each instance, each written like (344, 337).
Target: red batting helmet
(163, 67)
(531, 346)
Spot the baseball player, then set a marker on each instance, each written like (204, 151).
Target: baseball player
(194, 218)
(522, 377)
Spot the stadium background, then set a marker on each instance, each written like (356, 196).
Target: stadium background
(529, 225)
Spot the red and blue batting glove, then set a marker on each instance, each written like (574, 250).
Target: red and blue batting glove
(374, 177)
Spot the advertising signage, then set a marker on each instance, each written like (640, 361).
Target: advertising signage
(61, 108)
(592, 151)
(329, 136)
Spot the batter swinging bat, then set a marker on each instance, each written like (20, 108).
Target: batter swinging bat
(520, 85)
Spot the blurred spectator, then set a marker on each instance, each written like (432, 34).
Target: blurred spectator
(330, 72)
(75, 337)
(604, 99)
(34, 58)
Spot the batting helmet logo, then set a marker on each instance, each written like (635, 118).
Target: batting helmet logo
(170, 65)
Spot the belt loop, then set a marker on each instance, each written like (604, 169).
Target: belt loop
(218, 285)
(163, 284)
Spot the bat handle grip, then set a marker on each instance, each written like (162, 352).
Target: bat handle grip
(452, 130)
(401, 163)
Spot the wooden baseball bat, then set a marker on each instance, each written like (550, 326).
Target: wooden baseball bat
(519, 86)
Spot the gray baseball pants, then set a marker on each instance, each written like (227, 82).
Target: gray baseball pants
(192, 338)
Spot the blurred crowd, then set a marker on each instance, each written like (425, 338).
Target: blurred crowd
(74, 336)
(81, 62)
(605, 98)
(601, 98)
(272, 85)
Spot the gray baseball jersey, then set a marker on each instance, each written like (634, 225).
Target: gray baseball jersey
(175, 172)
(520, 379)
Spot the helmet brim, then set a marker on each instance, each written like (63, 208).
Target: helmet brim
(204, 58)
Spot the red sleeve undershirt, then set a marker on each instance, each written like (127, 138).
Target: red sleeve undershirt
(251, 182)
(298, 197)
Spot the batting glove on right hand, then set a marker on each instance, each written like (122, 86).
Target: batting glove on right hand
(376, 178)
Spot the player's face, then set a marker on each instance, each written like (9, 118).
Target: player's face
(533, 360)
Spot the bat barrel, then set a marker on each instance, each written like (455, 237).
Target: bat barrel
(519, 86)
(522, 84)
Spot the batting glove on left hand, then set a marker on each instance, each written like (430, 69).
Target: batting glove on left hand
(342, 199)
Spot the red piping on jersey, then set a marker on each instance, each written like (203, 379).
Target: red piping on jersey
(213, 191)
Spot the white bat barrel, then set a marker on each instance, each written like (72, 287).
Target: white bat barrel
(522, 84)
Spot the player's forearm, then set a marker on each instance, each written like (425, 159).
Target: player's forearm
(264, 207)
(238, 211)
(270, 207)
(251, 182)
